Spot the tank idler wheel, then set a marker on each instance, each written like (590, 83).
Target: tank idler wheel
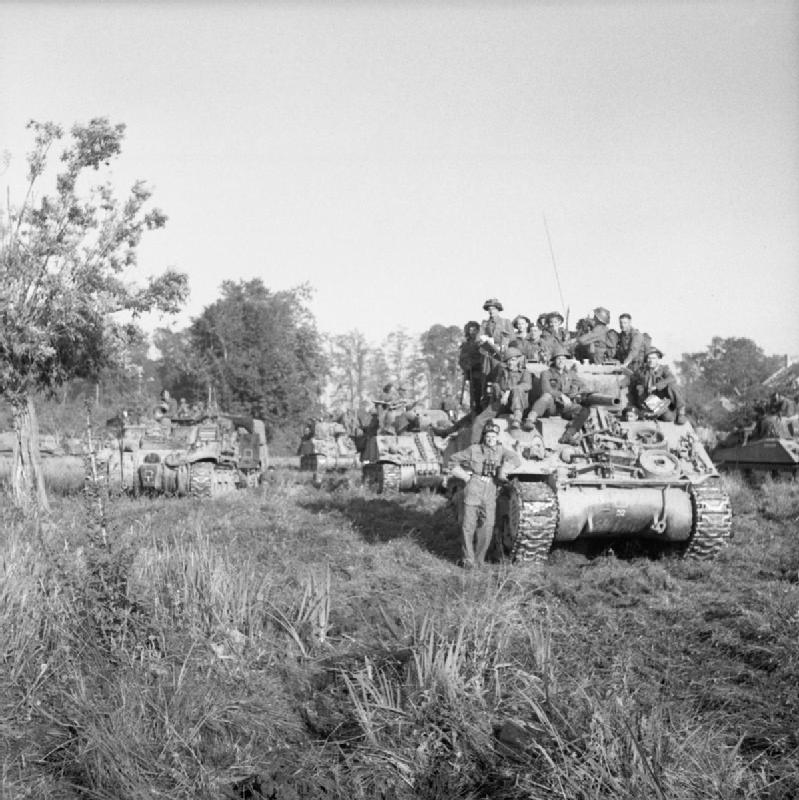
(712, 529)
(201, 476)
(531, 522)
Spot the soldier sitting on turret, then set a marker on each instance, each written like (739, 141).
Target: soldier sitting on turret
(655, 382)
(528, 339)
(508, 389)
(630, 346)
(561, 389)
(598, 343)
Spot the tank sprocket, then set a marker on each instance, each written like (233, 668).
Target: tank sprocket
(533, 512)
(712, 528)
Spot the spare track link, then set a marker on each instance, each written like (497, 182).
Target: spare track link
(537, 506)
(712, 520)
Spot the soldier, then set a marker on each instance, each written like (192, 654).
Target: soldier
(495, 329)
(598, 343)
(555, 336)
(184, 412)
(510, 385)
(389, 404)
(656, 381)
(470, 360)
(630, 347)
(561, 390)
(482, 467)
(166, 404)
(527, 339)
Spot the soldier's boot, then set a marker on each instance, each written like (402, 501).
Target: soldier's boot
(680, 419)
(529, 424)
(572, 433)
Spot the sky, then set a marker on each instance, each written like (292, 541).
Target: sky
(407, 159)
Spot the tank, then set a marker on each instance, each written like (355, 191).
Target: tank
(758, 452)
(409, 460)
(198, 457)
(326, 446)
(622, 477)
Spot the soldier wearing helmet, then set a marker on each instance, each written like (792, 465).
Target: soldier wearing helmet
(561, 389)
(507, 390)
(470, 360)
(599, 343)
(496, 329)
(656, 382)
(482, 467)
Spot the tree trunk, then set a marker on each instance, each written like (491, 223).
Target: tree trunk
(27, 478)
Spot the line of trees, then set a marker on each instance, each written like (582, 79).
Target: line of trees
(69, 329)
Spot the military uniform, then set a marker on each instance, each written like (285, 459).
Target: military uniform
(516, 382)
(480, 495)
(630, 348)
(555, 384)
(470, 360)
(599, 343)
(531, 349)
(660, 382)
(499, 329)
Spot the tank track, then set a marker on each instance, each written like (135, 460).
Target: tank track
(537, 521)
(712, 528)
(201, 477)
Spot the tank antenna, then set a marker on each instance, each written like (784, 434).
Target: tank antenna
(554, 263)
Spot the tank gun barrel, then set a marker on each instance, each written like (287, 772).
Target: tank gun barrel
(599, 399)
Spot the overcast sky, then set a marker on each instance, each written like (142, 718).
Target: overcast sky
(401, 157)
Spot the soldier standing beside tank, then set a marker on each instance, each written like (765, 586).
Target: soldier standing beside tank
(470, 360)
(482, 467)
(600, 342)
(508, 388)
(657, 381)
(630, 347)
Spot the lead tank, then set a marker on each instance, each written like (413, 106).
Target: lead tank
(622, 477)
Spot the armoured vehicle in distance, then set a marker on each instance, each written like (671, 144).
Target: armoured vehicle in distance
(203, 457)
(408, 460)
(750, 452)
(622, 477)
(327, 446)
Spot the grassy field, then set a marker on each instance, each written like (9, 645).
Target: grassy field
(324, 644)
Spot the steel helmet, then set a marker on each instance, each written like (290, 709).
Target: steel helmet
(602, 314)
(492, 301)
(513, 352)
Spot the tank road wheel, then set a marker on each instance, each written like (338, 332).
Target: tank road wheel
(529, 528)
(712, 528)
(201, 475)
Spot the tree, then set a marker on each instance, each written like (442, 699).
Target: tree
(179, 368)
(349, 361)
(261, 351)
(63, 260)
(728, 374)
(440, 346)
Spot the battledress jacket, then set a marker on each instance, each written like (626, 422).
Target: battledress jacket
(630, 347)
(657, 380)
(559, 383)
(532, 350)
(500, 330)
(482, 460)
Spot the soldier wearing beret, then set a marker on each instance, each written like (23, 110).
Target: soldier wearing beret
(482, 467)
(657, 381)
